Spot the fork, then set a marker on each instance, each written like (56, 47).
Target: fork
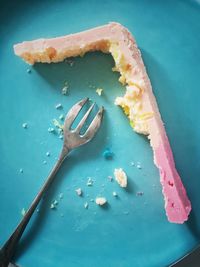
(72, 139)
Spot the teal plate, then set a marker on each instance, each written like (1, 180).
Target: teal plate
(132, 230)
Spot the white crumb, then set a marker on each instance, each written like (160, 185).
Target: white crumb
(21, 170)
(52, 207)
(59, 106)
(51, 130)
(23, 212)
(57, 124)
(86, 205)
(48, 154)
(114, 194)
(65, 90)
(101, 201)
(110, 178)
(132, 163)
(25, 125)
(61, 117)
(79, 191)
(89, 182)
(28, 71)
(99, 91)
(60, 195)
(44, 162)
(120, 177)
(139, 166)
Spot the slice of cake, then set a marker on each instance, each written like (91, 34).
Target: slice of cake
(138, 103)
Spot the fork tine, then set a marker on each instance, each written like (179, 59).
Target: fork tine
(94, 126)
(73, 112)
(80, 125)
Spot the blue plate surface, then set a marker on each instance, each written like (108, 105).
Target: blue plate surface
(132, 230)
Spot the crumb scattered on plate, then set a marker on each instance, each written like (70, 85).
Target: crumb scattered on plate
(61, 196)
(23, 212)
(57, 124)
(79, 191)
(51, 130)
(90, 182)
(120, 177)
(99, 91)
(139, 166)
(28, 71)
(61, 117)
(101, 201)
(48, 154)
(44, 162)
(59, 106)
(110, 178)
(86, 205)
(21, 170)
(65, 89)
(25, 125)
(114, 194)
(52, 207)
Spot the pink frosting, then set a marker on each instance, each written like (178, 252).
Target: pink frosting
(177, 204)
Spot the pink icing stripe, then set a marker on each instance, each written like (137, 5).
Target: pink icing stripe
(177, 204)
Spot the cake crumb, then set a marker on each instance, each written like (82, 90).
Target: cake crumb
(79, 191)
(28, 71)
(21, 170)
(44, 162)
(57, 124)
(55, 202)
(65, 89)
(52, 207)
(114, 194)
(101, 201)
(110, 178)
(48, 154)
(60, 196)
(120, 177)
(86, 205)
(25, 125)
(90, 182)
(132, 163)
(23, 212)
(59, 106)
(139, 166)
(51, 130)
(61, 117)
(99, 91)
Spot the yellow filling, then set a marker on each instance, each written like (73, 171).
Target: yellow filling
(131, 102)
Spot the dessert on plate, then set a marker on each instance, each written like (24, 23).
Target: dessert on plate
(138, 103)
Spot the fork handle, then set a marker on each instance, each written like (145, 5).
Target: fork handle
(8, 249)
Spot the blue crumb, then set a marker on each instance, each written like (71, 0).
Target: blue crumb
(108, 154)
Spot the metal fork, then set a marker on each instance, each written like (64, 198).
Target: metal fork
(72, 139)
